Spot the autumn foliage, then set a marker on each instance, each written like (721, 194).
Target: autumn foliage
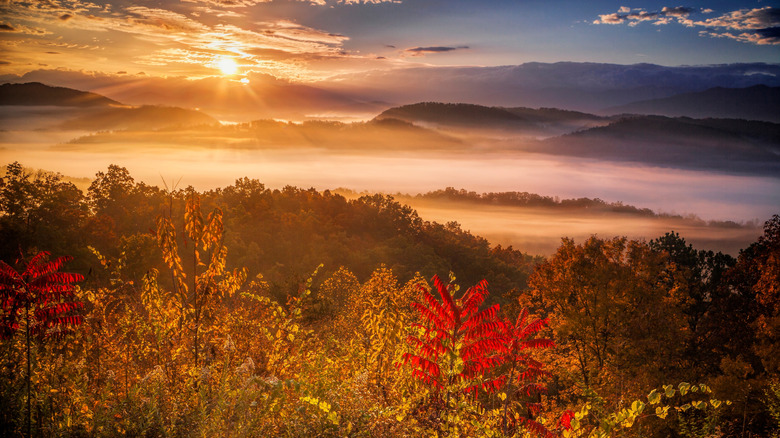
(43, 294)
(247, 312)
(458, 342)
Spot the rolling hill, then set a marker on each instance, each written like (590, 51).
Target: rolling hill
(137, 118)
(730, 145)
(50, 107)
(38, 94)
(460, 116)
(758, 102)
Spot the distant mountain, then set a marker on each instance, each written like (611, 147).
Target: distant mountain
(92, 112)
(455, 114)
(758, 102)
(37, 94)
(461, 115)
(376, 135)
(731, 145)
(581, 86)
(587, 87)
(553, 115)
(138, 118)
(264, 96)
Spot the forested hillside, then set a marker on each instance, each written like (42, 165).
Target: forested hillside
(250, 311)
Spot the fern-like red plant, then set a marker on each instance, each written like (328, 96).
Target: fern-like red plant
(43, 292)
(458, 342)
(525, 371)
(45, 295)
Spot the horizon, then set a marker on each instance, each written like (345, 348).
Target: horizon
(307, 41)
(350, 60)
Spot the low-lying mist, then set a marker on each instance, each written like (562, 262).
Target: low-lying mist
(396, 157)
(538, 230)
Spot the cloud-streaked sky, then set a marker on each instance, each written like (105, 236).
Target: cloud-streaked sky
(306, 40)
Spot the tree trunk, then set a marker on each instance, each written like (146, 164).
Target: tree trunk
(29, 368)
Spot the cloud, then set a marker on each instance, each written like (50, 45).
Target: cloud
(18, 28)
(757, 19)
(216, 12)
(637, 15)
(756, 26)
(421, 51)
(679, 11)
(249, 3)
(228, 3)
(366, 2)
(157, 20)
(191, 36)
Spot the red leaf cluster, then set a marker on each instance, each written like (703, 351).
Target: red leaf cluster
(449, 322)
(458, 328)
(43, 290)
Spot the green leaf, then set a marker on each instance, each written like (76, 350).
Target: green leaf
(715, 403)
(684, 388)
(654, 397)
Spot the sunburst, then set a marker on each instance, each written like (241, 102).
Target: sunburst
(227, 65)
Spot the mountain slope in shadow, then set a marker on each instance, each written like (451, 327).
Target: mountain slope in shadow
(758, 102)
(38, 94)
(730, 145)
(63, 108)
(462, 117)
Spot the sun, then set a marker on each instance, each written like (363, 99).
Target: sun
(227, 65)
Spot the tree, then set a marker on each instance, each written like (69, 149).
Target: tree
(39, 209)
(618, 324)
(698, 280)
(209, 281)
(109, 191)
(758, 275)
(748, 333)
(122, 206)
(43, 297)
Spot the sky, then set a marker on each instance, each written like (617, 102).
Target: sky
(314, 40)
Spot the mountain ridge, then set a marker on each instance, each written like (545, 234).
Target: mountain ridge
(38, 94)
(758, 102)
